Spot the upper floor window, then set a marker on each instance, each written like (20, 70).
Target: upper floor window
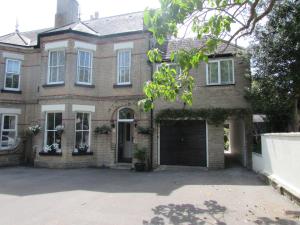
(12, 74)
(8, 131)
(124, 65)
(56, 67)
(84, 67)
(220, 72)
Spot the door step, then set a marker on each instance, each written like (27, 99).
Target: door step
(122, 166)
(180, 168)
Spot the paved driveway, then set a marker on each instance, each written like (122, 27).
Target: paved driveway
(31, 196)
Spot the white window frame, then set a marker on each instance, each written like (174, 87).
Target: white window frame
(219, 72)
(90, 120)
(9, 130)
(49, 67)
(125, 120)
(19, 74)
(90, 66)
(118, 66)
(46, 126)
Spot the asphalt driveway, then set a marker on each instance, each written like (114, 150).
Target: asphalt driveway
(31, 196)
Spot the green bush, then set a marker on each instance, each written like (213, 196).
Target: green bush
(226, 138)
(140, 154)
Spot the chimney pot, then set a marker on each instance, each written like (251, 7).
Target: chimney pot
(96, 15)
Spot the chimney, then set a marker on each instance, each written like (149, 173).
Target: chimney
(67, 12)
(96, 15)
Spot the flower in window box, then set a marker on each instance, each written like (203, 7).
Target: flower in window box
(83, 148)
(47, 148)
(52, 148)
(60, 129)
(34, 130)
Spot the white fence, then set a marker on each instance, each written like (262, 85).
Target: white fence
(280, 160)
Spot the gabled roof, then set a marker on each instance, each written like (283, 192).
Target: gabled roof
(113, 25)
(190, 43)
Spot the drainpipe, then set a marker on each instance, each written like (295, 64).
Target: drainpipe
(151, 114)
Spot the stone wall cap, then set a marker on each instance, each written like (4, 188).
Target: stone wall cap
(291, 134)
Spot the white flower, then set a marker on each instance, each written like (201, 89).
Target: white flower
(60, 127)
(34, 129)
(55, 145)
(47, 148)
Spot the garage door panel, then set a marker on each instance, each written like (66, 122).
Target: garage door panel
(183, 143)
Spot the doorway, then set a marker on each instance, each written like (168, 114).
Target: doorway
(125, 135)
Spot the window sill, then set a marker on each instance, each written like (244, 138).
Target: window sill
(84, 85)
(53, 85)
(81, 153)
(11, 91)
(218, 85)
(50, 153)
(122, 85)
(7, 151)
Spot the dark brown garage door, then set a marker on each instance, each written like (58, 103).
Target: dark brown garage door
(183, 143)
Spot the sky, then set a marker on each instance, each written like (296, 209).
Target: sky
(37, 14)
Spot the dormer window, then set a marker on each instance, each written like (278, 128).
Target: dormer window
(12, 75)
(220, 72)
(56, 67)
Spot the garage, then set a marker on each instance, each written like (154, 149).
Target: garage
(183, 143)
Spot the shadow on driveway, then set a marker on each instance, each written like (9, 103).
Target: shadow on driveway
(213, 213)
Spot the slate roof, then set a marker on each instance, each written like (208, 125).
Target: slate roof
(190, 43)
(77, 26)
(130, 22)
(16, 38)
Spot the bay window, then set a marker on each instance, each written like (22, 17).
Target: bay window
(220, 72)
(82, 132)
(124, 66)
(8, 131)
(56, 67)
(84, 67)
(52, 132)
(12, 74)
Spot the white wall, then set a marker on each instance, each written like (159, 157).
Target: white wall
(237, 139)
(280, 159)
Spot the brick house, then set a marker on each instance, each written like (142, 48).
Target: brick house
(82, 76)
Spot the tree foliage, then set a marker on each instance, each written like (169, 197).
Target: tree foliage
(276, 60)
(209, 20)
